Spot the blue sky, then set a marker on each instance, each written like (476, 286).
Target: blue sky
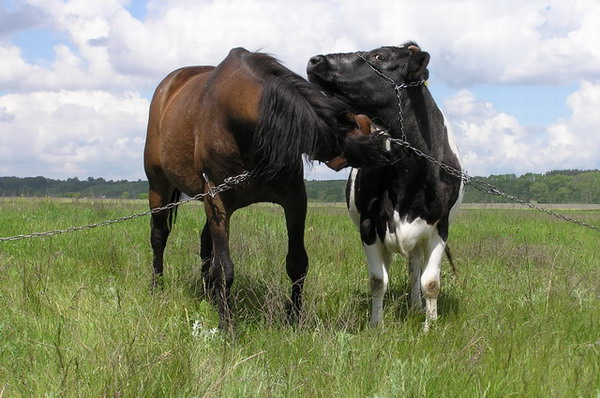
(519, 81)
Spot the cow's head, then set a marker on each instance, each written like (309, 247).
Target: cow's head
(351, 75)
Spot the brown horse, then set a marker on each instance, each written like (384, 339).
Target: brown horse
(208, 123)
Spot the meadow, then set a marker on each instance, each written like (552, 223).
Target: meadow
(521, 318)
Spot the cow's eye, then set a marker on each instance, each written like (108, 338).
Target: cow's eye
(379, 57)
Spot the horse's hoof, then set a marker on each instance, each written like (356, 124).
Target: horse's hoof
(157, 283)
(292, 313)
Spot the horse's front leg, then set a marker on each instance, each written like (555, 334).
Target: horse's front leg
(296, 259)
(218, 271)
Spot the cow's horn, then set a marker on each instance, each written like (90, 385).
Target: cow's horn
(414, 48)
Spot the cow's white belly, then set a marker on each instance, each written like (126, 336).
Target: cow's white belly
(407, 235)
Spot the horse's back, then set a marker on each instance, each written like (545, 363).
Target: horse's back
(179, 77)
(165, 134)
(169, 88)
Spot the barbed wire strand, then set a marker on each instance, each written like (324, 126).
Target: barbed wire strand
(227, 184)
(232, 182)
(486, 187)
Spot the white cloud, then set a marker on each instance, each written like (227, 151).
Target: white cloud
(5, 116)
(487, 139)
(466, 107)
(470, 41)
(102, 48)
(13, 68)
(191, 32)
(73, 133)
(574, 141)
(319, 171)
(493, 141)
(507, 42)
(25, 17)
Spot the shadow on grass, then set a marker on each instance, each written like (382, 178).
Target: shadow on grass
(254, 299)
(397, 302)
(263, 300)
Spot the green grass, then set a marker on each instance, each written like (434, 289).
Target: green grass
(77, 318)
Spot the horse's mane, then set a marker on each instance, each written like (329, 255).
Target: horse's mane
(295, 117)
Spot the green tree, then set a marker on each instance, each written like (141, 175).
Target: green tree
(586, 187)
(539, 192)
(559, 187)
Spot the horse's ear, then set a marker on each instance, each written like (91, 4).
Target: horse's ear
(417, 69)
(364, 124)
(337, 163)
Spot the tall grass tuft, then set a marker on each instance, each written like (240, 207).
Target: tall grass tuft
(521, 317)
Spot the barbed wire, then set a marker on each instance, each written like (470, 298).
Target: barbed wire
(486, 187)
(234, 181)
(227, 184)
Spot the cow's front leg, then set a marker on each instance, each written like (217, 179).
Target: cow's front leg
(378, 258)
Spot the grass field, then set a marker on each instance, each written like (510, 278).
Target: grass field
(77, 319)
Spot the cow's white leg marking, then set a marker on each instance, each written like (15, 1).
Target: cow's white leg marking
(430, 280)
(378, 258)
(415, 265)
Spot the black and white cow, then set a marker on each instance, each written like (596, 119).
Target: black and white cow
(405, 207)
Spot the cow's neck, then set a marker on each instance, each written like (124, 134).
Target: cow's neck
(419, 113)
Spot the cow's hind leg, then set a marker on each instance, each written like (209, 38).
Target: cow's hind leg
(296, 261)
(415, 266)
(378, 259)
(430, 280)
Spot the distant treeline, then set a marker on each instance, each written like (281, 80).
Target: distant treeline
(557, 186)
(73, 188)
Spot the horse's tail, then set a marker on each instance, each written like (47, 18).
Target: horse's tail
(450, 260)
(172, 217)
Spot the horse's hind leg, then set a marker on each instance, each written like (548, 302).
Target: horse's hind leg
(159, 231)
(205, 251)
(218, 274)
(296, 259)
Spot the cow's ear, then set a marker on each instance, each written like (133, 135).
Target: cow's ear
(417, 69)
